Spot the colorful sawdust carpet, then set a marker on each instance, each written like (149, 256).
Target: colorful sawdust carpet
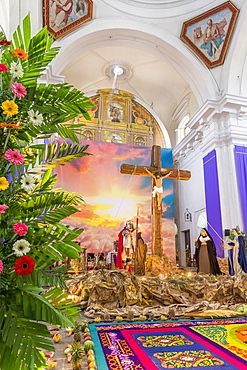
(212, 344)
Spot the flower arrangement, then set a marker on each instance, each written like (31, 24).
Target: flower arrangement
(33, 236)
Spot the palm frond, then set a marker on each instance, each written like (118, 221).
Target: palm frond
(62, 153)
(20, 341)
(45, 307)
(46, 202)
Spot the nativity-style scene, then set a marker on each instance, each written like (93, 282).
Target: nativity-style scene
(122, 208)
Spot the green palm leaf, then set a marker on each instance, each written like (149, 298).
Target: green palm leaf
(61, 153)
(21, 340)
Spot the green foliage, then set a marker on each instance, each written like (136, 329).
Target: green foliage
(33, 291)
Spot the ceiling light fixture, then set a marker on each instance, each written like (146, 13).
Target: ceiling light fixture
(118, 71)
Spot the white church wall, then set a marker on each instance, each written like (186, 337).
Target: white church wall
(233, 77)
(12, 13)
(189, 195)
(4, 15)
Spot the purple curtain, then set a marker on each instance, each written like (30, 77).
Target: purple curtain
(241, 168)
(212, 196)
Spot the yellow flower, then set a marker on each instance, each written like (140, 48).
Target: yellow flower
(97, 319)
(3, 183)
(9, 107)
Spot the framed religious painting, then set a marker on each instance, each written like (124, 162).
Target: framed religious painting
(64, 16)
(209, 34)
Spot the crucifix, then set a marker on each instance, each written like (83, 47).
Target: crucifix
(157, 174)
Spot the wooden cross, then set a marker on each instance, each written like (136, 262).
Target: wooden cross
(169, 173)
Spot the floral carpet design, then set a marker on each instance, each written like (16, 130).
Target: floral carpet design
(210, 344)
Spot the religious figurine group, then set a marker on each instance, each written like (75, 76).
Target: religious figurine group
(126, 250)
(205, 254)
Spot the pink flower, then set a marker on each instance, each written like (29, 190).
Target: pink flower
(20, 229)
(14, 156)
(19, 90)
(3, 207)
(1, 266)
(3, 68)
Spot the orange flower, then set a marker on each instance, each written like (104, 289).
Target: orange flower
(20, 54)
(13, 125)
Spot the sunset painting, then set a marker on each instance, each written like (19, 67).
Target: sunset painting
(112, 198)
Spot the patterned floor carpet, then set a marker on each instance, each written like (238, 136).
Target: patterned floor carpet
(211, 344)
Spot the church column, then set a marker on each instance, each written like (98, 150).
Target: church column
(225, 128)
(229, 191)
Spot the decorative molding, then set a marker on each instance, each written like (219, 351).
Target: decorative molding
(227, 115)
(48, 77)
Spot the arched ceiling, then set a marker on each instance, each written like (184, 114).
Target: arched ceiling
(150, 79)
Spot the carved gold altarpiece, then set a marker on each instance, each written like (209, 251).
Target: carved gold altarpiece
(118, 117)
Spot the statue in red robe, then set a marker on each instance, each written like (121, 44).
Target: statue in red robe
(125, 247)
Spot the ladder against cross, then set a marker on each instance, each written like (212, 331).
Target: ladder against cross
(169, 173)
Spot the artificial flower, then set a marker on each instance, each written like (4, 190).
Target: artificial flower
(35, 117)
(20, 228)
(24, 265)
(28, 182)
(21, 247)
(3, 207)
(97, 319)
(16, 70)
(3, 68)
(13, 125)
(4, 184)
(1, 266)
(14, 156)
(5, 42)
(20, 54)
(9, 107)
(19, 90)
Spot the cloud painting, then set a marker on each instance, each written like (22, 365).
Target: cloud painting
(112, 198)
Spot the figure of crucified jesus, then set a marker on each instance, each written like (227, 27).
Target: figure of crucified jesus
(158, 188)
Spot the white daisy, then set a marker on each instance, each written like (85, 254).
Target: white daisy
(28, 182)
(35, 117)
(16, 70)
(21, 247)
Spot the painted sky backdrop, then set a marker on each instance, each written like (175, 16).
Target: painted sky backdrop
(112, 198)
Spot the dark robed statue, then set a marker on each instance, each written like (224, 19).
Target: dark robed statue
(205, 254)
(140, 256)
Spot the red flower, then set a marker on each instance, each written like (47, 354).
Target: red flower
(5, 42)
(24, 265)
(3, 68)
